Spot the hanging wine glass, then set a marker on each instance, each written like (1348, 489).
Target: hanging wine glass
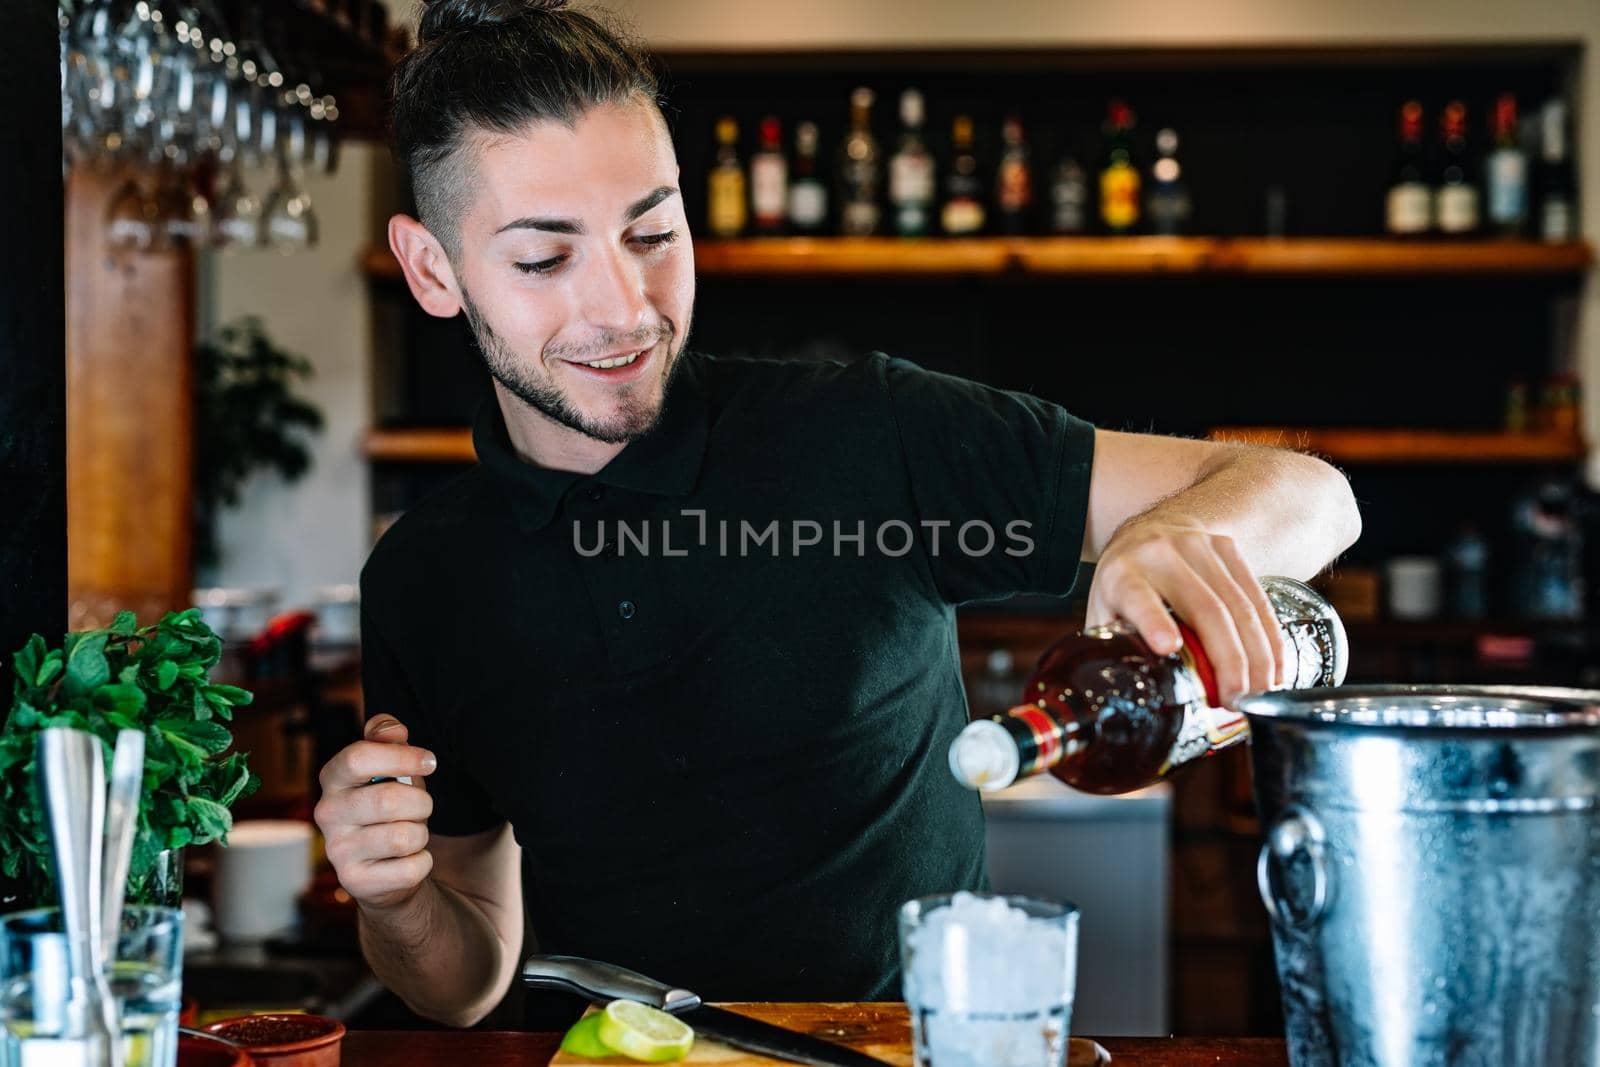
(290, 221)
(237, 221)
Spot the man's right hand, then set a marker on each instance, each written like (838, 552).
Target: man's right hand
(377, 833)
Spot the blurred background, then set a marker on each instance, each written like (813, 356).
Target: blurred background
(1354, 227)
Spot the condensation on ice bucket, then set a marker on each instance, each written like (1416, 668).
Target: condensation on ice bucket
(989, 980)
(1432, 870)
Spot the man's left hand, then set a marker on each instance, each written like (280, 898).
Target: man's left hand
(1151, 564)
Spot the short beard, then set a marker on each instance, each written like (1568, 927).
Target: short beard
(635, 420)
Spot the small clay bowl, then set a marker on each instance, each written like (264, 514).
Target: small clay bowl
(203, 1050)
(284, 1040)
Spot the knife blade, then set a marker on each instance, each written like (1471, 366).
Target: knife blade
(603, 982)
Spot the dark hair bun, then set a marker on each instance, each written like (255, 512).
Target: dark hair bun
(440, 18)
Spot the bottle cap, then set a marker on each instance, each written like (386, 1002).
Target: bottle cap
(911, 108)
(983, 756)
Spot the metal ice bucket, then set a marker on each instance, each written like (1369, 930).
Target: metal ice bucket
(1432, 870)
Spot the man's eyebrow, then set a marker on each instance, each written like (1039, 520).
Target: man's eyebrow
(573, 226)
(645, 203)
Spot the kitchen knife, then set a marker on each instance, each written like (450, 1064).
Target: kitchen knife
(601, 983)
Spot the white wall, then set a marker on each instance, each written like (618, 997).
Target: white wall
(314, 532)
(317, 532)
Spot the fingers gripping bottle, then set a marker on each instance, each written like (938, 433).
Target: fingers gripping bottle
(1105, 714)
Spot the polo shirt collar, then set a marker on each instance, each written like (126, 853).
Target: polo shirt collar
(666, 461)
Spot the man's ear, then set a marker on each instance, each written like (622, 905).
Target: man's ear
(427, 268)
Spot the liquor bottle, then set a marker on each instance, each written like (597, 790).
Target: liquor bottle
(1013, 180)
(1455, 199)
(1556, 216)
(911, 172)
(1507, 172)
(1119, 178)
(1408, 209)
(769, 180)
(808, 193)
(1069, 197)
(1105, 714)
(1169, 196)
(860, 168)
(725, 210)
(962, 214)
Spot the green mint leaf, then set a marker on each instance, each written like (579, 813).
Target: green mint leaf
(48, 670)
(124, 624)
(214, 820)
(29, 658)
(230, 694)
(211, 736)
(86, 664)
(166, 674)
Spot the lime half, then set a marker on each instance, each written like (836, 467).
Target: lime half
(641, 1032)
(584, 1039)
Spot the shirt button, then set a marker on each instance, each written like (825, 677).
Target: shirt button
(595, 493)
(625, 609)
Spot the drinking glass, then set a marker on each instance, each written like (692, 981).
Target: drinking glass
(989, 980)
(36, 985)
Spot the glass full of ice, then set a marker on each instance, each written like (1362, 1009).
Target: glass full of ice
(989, 979)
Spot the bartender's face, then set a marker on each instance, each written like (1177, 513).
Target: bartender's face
(577, 272)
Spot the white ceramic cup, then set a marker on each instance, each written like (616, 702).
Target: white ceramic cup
(1416, 586)
(264, 868)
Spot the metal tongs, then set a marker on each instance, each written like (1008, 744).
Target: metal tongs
(91, 842)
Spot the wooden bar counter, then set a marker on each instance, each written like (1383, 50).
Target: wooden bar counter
(878, 1029)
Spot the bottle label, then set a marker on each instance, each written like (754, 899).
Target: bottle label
(808, 204)
(1555, 219)
(1508, 186)
(1119, 196)
(1013, 191)
(1457, 208)
(911, 179)
(860, 217)
(1409, 208)
(727, 210)
(963, 216)
(1206, 726)
(768, 186)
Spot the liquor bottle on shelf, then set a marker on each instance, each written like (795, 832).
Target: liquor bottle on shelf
(1557, 219)
(769, 180)
(1408, 209)
(860, 170)
(962, 214)
(725, 203)
(1169, 205)
(1507, 172)
(1105, 714)
(911, 172)
(808, 193)
(1119, 178)
(1013, 181)
(1455, 198)
(1069, 197)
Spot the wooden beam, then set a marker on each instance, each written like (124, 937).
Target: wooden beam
(130, 339)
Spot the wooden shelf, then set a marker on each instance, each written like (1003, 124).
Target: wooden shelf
(1412, 445)
(449, 445)
(1122, 256)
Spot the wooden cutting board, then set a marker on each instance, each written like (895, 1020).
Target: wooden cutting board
(882, 1030)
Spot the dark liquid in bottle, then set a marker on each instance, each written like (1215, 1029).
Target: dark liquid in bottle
(1127, 703)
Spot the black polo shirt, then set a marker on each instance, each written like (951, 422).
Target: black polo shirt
(712, 687)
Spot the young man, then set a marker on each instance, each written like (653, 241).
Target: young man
(686, 636)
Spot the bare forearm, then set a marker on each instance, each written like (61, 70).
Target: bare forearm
(1289, 513)
(439, 953)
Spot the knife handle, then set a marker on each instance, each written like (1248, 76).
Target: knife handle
(602, 982)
